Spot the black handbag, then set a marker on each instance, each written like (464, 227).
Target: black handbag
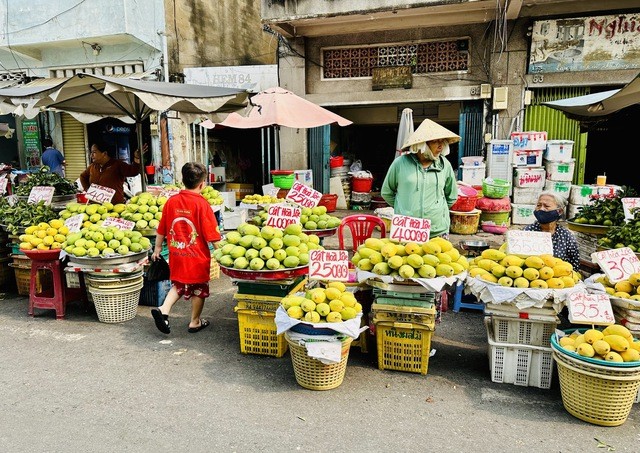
(158, 270)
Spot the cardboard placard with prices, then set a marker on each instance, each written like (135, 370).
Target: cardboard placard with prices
(617, 264)
(520, 242)
(592, 309)
(119, 223)
(630, 205)
(410, 229)
(41, 193)
(330, 265)
(282, 215)
(169, 192)
(303, 195)
(99, 194)
(74, 223)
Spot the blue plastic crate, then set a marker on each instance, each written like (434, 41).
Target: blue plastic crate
(154, 293)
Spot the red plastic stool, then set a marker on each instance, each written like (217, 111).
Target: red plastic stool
(54, 298)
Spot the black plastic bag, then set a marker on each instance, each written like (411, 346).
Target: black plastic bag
(158, 270)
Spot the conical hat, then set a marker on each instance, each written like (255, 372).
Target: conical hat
(430, 130)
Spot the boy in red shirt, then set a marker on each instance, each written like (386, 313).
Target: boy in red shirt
(189, 225)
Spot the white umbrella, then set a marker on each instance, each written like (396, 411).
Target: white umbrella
(405, 129)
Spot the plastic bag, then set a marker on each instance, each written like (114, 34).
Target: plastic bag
(158, 270)
(356, 166)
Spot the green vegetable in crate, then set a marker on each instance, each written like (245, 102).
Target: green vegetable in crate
(605, 211)
(44, 177)
(22, 214)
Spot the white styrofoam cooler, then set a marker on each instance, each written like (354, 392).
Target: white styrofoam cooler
(522, 214)
(584, 194)
(499, 154)
(572, 210)
(559, 171)
(526, 195)
(529, 177)
(231, 220)
(559, 150)
(562, 188)
(473, 174)
(304, 177)
(529, 140)
(528, 158)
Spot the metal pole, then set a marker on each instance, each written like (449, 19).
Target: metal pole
(276, 140)
(268, 150)
(143, 176)
(264, 170)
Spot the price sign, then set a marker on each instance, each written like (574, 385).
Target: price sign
(41, 193)
(410, 229)
(629, 205)
(119, 223)
(272, 191)
(329, 265)
(617, 264)
(303, 195)
(520, 242)
(74, 223)
(590, 309)
(168, 193)
(281, 215)
(100, 194)
(3, 184)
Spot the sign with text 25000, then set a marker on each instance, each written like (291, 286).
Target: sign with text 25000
(100, 194)
(282, 215)
(303, 195)
(617, 264)
(410, 229)
(328, 265)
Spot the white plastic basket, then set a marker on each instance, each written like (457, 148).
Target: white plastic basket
(519, 364)
(522, 331)
(116, 305)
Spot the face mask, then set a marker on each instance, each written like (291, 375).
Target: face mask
(546, 216)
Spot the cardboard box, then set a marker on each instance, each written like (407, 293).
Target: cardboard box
(231, 220)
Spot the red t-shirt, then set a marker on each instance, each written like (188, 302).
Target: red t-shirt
(189, 225)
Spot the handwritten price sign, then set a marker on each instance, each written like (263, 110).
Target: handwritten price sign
(74, 223)
(617, 264)
(3, 184)
(520, 242)
(630, 205)
(41, 193)
(303, 195)
(100, 194)
(282, 215)
(119, 223)
(410, 229)
(168, 193)
(328, 265)
(590, 309)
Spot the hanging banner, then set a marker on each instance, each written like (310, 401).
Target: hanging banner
(31, 143)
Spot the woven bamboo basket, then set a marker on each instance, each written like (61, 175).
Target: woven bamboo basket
(116, 305)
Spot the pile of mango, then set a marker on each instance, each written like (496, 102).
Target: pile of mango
(435, 258)
(624, 289)
(614, 343)
(536, 271)
(331, 304)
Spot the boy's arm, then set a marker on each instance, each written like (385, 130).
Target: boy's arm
(158, 247)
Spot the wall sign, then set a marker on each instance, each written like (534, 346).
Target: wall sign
(31, 142)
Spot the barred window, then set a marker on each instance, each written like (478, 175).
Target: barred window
(423, 57)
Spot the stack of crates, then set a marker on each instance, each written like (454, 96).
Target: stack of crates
(519, 344)
(256, 307)
(403, 322)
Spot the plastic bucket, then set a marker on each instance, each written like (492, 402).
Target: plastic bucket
(464, 222)
(499, 218)
(337, 161)
(150, 169)
(361, 184)
(283, 179)
(329, 201)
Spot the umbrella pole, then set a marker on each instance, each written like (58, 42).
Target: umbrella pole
(143, 178)
(264, 174)
(276, 141)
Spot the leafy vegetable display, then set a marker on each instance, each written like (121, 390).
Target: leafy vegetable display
(45, 177)
(605, 211)
(23, 214)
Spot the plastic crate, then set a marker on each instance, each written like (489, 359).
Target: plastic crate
(280, 289)
(522, 331)
(422, 295)
(263, 302)
(258, 333)
(519, 364)
(154, 293)
(403, 347)
(404, 302)
(423, 316)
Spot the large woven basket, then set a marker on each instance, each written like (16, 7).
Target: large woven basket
(602, 395)
(113, 281)
(116, 305)
(313, 374)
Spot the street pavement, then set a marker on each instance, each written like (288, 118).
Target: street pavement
(78, 385)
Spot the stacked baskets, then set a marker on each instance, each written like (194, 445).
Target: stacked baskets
(115, 296)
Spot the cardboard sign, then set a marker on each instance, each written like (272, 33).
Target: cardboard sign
(520, 242)
(119, 223)
(303, 195)
(3, 184)
(99, 194)
(629, 205)
(282, 215)
(74, 223)
(592, 309)
(617, 264)
(41, 193)
(329, 265)
(410, 229)
(168, 193)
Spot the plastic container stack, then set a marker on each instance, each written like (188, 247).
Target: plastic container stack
(495, 216)
(465, 218)
(339, 168)
(361, 184)
(529, 175)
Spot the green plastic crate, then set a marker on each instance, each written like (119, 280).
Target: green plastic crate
(401, 301)
(267, 289)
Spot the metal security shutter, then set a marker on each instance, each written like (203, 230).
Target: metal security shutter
(319, 153)
(74, 146)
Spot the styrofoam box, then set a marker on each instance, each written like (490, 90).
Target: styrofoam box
(522, 214)
(304, 177)
(529, 177)
(519, 364)
(529, 158)
(573, 210)
(526, 195)
(559, 150)
(559, 171)
(562, 188)
(231, 220)
(529, 140)
(499, 154)
(472, 160)
(473, 174)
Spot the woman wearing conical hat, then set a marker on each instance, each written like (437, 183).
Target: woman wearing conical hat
(422, 183)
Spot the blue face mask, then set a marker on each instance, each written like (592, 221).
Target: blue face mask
(546, 216)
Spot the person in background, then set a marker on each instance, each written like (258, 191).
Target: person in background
(549, 211)
(188, 224)
(109, 172)
(422, 182)
(53, 158)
